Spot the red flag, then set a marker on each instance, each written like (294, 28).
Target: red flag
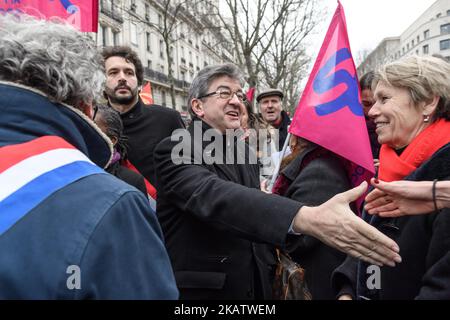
(250, 94)
(146, 94)
(151, 191)
(82, 14)
(330, 113)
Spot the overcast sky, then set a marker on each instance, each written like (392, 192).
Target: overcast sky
(370, 21)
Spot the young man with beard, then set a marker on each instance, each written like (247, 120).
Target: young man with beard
(145, 126)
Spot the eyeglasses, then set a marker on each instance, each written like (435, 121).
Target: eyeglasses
(226, 94)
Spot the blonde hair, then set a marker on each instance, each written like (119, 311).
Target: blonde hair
(424, 77)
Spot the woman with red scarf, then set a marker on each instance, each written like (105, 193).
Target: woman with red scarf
(412, 117)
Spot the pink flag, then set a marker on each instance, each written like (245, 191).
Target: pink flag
(330, 113)
(250, 94)
(82, 14)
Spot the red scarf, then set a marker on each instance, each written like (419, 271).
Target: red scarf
(394, 167)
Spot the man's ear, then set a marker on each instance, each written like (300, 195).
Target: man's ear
(87, 109)
(197, 107)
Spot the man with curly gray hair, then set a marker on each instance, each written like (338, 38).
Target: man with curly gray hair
(68, 230)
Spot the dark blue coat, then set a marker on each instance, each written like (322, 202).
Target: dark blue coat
(98, 223)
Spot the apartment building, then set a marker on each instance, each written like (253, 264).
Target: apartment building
(196, 41)
(429, 34)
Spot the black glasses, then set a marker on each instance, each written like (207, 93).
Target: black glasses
(226, 94)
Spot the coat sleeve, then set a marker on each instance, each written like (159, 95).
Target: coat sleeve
(247, 212)
(343, 278)
(436, 281)
(125, 257)
(318, 182)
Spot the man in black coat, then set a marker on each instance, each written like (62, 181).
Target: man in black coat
(217, 224)
(145, 126)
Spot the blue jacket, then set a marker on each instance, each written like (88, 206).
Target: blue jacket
(98, 224)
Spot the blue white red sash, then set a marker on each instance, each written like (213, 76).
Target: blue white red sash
(30, 172)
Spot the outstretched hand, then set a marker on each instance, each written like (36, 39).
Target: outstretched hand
(336, 225)
(399, 198)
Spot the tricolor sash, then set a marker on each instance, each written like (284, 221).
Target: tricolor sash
(31, 172)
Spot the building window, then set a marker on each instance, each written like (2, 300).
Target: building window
(160, 21)
(444, 44)
(116, 38)
(147, 12)
(448, 12)
(133, 5)
(183, 76)
(149, 42)
(163, 96)
(161, 49)
(426, 34)
(425, 49)
(104, 36)
(149, 64)
(445, 28)
(418, 39)
(438, 15)
(133, 33)
(412, 43)
(407, 46)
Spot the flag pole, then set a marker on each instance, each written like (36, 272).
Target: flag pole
(277, 169)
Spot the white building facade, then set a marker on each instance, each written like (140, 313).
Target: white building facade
(195, 43)
(428, 35)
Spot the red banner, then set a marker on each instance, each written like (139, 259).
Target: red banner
(250, 94)
(146, 94)
(82, 14)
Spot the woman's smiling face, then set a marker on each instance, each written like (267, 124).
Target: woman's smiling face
(398, 121)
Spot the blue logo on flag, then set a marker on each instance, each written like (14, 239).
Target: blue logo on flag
(325, 82)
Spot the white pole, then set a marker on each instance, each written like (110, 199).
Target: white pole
(277, 169)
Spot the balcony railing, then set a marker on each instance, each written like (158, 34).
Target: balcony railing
(163, 78)
(112, 14)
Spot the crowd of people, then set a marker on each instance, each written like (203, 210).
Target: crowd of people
(90, 181)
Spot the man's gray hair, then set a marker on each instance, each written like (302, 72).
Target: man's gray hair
(52, 57)
(206, 76)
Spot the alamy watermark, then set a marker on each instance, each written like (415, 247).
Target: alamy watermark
(74, 279)
(373, 281)
(234, 147)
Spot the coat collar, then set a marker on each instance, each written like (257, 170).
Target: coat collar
(134, 112)
(28, 114)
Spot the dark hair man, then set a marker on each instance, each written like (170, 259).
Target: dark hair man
(216, 220)
(68, 230)
(367, 101)
(145, 126)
